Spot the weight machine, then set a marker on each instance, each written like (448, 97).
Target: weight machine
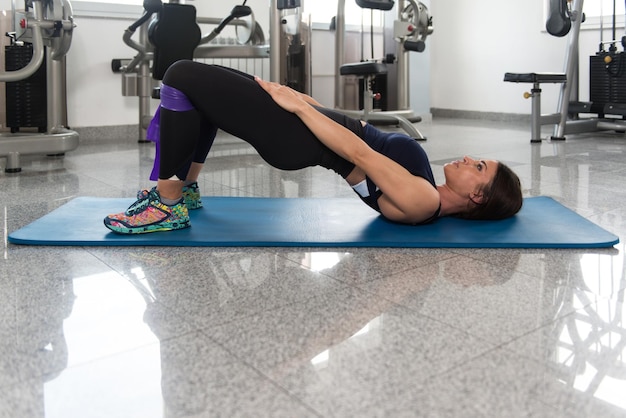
(607, 80)
(46, 28)
(410, 31)
(170, 31)
(290, 45)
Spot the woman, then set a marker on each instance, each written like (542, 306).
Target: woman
(389, 171)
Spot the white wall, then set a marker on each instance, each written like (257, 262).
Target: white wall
(473, 45)
(94, 91)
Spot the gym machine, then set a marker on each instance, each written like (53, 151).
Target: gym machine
(40, 40)
(607, 80)
(410, 31)
(169, 32)
(290, 45)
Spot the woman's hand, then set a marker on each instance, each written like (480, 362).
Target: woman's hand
(284, 96)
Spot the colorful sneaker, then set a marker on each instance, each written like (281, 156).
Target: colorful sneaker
(148, 214)
(191, 194)
(143, 198)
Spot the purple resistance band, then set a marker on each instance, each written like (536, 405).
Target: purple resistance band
(171, 99)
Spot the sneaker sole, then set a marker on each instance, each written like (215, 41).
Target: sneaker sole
(148, 228)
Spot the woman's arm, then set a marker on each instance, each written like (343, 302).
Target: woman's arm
(406, 198)
(308, 99)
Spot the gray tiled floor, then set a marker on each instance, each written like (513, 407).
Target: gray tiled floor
(299, 332)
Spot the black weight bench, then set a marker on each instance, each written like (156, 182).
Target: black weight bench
(364, 69)
(537, 119)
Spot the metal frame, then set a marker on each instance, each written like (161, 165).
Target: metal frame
(136, 76)
(57, 139)
(403, 116)
(563, 122)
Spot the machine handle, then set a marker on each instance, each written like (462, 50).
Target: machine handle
(238, 11)
(417, 46)
(234, 17)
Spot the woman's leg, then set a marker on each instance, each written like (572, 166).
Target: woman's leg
(194, 172)
(185, 140)
(191, 171)
(202, 147)
(235, 103)
(222, 99)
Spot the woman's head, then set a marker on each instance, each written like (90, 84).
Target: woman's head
(498, 199)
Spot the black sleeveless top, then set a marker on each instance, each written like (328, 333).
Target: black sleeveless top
(402, 149)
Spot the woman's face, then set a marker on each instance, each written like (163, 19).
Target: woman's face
(467, 176)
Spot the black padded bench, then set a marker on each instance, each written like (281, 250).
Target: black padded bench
(537, 119)
(535, 77)
(363, 69)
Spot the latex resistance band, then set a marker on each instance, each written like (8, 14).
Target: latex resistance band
(171, 99)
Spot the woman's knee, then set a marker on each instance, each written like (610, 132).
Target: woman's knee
(178, 71)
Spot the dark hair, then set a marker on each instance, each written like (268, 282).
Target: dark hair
(502, 197)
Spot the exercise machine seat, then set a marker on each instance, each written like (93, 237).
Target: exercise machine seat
(536, 118)
(535, 77)
(363, 69)
(376, 4)
(175, 35)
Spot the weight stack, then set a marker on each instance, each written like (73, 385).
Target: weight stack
(607, 82)
(26, 100)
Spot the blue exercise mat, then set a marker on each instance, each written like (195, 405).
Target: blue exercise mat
(313, 222)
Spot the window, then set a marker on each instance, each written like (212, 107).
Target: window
(597, 8)
(598, 13)
(322, 11)
(108, 8)
(135, 2)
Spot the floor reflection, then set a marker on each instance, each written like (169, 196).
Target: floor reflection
(300, 338)
(589, 346)
(83, 320)
(33, 346)
(305, 332)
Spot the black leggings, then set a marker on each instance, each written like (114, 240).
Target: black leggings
(230, 100)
